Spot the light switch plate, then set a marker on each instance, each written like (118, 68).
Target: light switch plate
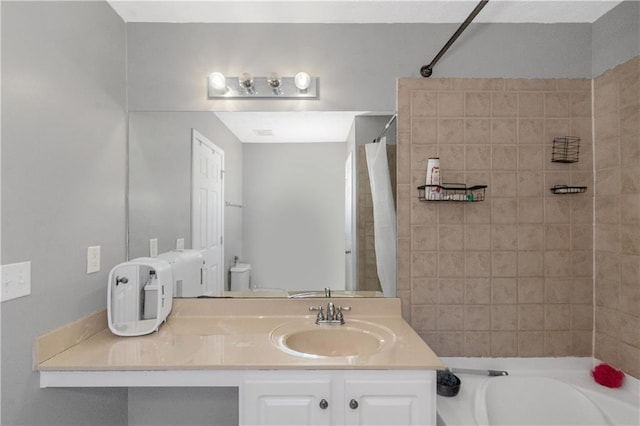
(180, 244)
(153, 247)
(93, 259)
(16, 280)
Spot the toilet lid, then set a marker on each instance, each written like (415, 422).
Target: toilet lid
(516, 400)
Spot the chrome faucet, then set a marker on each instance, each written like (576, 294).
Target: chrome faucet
(333, 316)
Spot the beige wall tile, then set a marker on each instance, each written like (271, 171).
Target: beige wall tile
(629, 359)
(423, 130)
(450, 130)
(450, 104)
(504, 157)
(558, 236)
(424, 103)
(557, 317)
(477, 237)
(557, 343)
(530, 105)
(504, 184)
(574, 84)
(530, 184)
(557, 104)
(451, 264)
(606, 98)
(531, 237)
(478, 318)
(489, 84)
(504, 263)
(558, 290)
(530, 131)
(450, 317)
(504, 317)
(582, 291)
(424, 318)
(477, 291)
(450, 344)
(582, 343)
(477, 264)
(477, 131)
(580, 104)
(530, 210)
(504, 104)
(477, 157)
(451, 291)
(530, 264)
(504, 344)
(477, 344)
(424, 238)
(424, 291)
(477, 104)
(504, 210)
(530, 85)
(531, 317)
(530, 290)
(504, 131)
(531, 344)
(505, 291)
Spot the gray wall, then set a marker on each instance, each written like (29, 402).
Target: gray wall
(160, 179)
(616, 37)
(63, 179)
(294, 216)
(357, 63)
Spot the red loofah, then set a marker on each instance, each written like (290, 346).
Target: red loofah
(608, 376)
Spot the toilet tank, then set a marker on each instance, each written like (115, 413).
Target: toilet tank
(241, 277)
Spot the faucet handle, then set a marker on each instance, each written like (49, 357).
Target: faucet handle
(320, 316)
(344, 308)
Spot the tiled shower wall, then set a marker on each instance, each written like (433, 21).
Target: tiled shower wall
(617, 216)
(513, 275)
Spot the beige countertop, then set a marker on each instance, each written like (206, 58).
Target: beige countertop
(227, 334)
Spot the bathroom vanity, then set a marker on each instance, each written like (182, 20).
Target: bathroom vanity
(374, 369)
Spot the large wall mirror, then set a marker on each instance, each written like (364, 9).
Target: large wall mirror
(293, 208)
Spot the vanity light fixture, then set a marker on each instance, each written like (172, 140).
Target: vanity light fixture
(302, 85)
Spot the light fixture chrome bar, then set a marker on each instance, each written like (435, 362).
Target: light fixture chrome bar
(262, 89)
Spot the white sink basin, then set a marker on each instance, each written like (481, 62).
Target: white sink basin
(353, 339)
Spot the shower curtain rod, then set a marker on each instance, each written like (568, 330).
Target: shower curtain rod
(426, 70)
(386, 127)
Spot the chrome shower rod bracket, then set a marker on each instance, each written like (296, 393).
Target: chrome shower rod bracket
(427, 70)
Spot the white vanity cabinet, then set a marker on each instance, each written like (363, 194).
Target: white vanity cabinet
(339, 397)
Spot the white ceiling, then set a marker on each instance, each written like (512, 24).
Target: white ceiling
(292, 127)
(359, 11)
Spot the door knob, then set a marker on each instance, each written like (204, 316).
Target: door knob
(324, 404)
(353, 404)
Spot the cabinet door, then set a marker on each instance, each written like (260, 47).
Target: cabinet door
(287, 402)
(389, 402)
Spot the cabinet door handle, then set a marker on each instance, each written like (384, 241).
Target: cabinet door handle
(353, 404)
(324, 404)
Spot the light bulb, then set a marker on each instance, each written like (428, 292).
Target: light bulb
(246, 80)
(274, 80)
(218, 81)
(302, 81)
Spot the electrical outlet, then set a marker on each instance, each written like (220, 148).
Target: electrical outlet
(153, 247)
(93, 259)
(180, 244)
(16, 280)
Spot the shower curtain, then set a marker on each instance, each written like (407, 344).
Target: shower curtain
(384, 215)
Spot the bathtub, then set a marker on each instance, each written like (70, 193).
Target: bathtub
(537, 391)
